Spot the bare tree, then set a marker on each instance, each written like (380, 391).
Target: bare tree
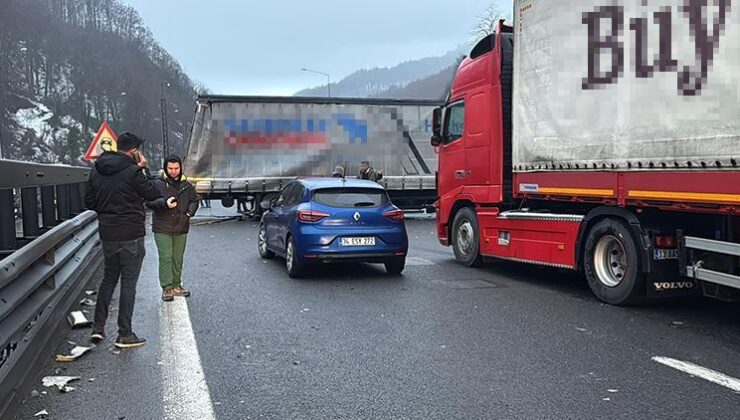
(486, 23)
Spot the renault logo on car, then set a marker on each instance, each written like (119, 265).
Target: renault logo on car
(357, 216)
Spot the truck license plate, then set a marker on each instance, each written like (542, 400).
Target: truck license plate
(367, 241)
(665, 254)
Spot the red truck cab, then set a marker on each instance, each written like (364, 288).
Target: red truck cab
(635, 234)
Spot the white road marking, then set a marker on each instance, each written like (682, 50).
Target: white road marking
(416, 261)
(185, 392)
(701, 372)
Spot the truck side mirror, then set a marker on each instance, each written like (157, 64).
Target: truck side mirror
(436, 127)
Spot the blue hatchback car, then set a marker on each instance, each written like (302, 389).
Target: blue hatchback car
(325, 220)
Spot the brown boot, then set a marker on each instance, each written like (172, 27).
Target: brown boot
(168, 295)
(181, 291)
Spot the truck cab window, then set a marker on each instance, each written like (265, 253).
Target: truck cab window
(454, 122)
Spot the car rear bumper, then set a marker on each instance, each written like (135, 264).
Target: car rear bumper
(324, 246)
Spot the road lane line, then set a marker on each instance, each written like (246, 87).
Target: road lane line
(185, 393)
(416, 261)
(701, 372)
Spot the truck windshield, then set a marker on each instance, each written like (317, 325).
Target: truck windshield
(351, 197)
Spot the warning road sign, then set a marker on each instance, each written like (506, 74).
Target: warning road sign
(105, 140)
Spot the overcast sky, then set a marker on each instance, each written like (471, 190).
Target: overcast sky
(256, 47)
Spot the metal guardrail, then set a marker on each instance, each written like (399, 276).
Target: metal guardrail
(61, 197)
(38, 284)
(46, 267)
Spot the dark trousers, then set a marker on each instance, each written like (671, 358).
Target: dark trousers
(122, 260)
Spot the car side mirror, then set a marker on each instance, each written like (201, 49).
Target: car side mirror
(267, 204)
(436, 127)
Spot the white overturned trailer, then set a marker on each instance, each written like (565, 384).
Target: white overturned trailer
(244, 148)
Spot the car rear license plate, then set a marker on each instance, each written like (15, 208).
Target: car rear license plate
(367, 241)
(665, 254)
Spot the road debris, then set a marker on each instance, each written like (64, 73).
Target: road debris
(581, 329)
(42, 413)
(73, 355)
(612, 390)
(91, 292)
(78, 320)
(677, 322)
(35, 394)
(60, 382)
(87, 302)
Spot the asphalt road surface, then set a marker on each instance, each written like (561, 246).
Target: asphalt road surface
(441, 341)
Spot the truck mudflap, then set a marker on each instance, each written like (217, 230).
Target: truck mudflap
(714, 264)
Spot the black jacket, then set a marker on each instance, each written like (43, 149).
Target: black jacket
(117, 189)
(174, 221)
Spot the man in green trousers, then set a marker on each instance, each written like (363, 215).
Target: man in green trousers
(171, 223)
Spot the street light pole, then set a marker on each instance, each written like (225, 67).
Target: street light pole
(328, 80)
(163, 106)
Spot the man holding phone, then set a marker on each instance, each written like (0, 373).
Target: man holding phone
(117, 188)
(171, 223)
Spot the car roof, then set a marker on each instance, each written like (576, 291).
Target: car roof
(315, 183)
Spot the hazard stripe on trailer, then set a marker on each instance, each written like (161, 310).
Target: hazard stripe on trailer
(669, 195)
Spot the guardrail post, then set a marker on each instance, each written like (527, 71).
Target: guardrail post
(75, 199)
(7, 222)
(30, 210)
(63, 202)
(48, 210)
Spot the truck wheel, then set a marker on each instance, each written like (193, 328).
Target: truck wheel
(292, 263)
(611, 264)
(262, 243)
(466, 238)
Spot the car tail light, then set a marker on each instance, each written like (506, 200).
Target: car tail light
(395, 215)
(311, 216)
(665, 241)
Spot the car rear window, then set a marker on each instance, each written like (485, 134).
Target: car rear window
(351, 197)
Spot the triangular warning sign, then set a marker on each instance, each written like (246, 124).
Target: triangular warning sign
(105, 140)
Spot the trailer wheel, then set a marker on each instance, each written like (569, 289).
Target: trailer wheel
(466, 238)
(611, 264)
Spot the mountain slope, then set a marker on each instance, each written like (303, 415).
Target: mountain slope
(373, 82)
(68, 65)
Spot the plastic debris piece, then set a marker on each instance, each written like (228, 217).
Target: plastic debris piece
(581, 329)
(91, 292)
(607, 399)
(73, 355)
(60, 382)
(612, 390)
(78, 320)
(87, 302)
(91, 380)
(42, 413)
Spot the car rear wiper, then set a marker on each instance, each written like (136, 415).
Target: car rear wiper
(364, 204)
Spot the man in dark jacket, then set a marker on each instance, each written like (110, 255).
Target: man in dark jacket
(171, 223)
(117, 189)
